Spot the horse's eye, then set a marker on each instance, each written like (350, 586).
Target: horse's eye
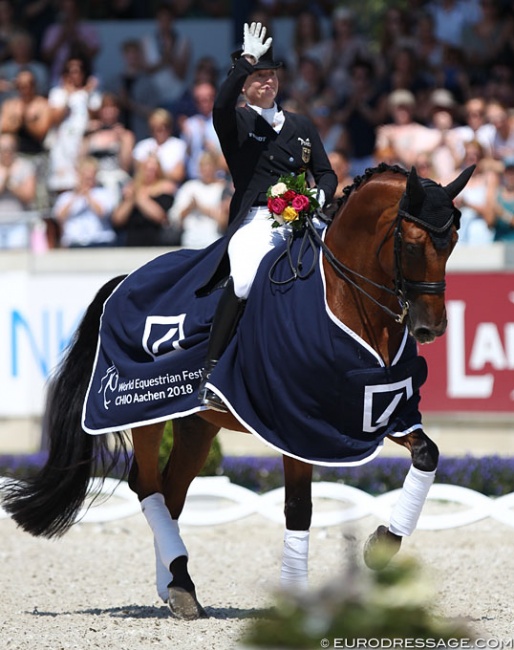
(413, 250)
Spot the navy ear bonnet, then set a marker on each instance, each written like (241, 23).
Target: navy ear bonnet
(431, 205)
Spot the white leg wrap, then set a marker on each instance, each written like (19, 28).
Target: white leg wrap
(406, 511)
(295, 558)
(165, 529)
(163, 576)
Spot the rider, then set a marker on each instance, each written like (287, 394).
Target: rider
(260, 142)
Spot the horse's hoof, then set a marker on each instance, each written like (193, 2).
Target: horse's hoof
(184, 604)
(380, 548)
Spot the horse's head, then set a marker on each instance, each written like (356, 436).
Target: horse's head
(425, 235)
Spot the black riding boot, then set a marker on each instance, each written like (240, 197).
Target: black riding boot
(226, 318)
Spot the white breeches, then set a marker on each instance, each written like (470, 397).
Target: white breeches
(249, 245)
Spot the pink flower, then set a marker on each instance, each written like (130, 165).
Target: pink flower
(277, 205)
(300, 202)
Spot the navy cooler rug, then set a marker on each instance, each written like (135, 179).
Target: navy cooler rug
(294, 375)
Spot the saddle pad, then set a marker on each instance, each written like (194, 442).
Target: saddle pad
(293, 375)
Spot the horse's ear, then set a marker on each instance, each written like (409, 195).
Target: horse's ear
(415, 192)
(457, 185)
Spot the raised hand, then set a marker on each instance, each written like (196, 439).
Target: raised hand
(253, 42)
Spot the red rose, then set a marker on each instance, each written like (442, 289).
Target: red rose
(289, 195)
(277, 205)
(300, 202)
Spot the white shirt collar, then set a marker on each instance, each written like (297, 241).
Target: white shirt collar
(273, 116)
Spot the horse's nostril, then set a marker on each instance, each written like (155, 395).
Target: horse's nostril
(424, 335)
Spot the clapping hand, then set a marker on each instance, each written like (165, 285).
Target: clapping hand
(254, 44)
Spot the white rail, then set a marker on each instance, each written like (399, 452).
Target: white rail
(215, 500)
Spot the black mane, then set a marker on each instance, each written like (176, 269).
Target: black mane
(359, 180)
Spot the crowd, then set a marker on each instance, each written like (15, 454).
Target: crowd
(133, 159)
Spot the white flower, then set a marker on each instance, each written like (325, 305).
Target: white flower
(278, 189)
(279, 218)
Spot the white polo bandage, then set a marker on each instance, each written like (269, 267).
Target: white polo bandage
(165, 529)
(295, 559)
(406, 511)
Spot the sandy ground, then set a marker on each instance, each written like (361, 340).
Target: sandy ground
(94, 587)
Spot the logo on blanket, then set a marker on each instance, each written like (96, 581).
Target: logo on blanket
(109, 384)
(382, 400)
(162, 335)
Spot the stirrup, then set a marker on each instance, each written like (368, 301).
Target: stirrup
(209, 399)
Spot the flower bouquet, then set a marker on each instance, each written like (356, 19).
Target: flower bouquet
(290, 200)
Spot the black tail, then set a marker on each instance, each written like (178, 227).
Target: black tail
(47, 503)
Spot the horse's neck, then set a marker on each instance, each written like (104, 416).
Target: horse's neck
(355, 309)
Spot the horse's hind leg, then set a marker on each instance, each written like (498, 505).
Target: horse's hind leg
(384, 543)
(162, 503)
(298, 514)
(192, 439)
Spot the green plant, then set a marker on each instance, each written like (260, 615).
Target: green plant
(212, 464)
(391, 604)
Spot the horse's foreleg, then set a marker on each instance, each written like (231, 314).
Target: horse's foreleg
(385, 542)
(298, 514)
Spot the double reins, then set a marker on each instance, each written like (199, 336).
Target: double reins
(402, 286)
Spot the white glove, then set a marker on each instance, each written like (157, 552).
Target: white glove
(253, 42)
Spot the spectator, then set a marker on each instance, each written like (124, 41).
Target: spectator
(309, 82)
(428, 49)
(36, 16)
(341, 166)
(17, 193)
(306, 35)
(474, 200)
(135, 90)
(476, 128)
(111, 144)
(483, 40)
(170, 151)
(450, 17)
(28, 117)
(395, 33)
(502, 145)
(142, 216)
(7, 27)
(444, 158)
(84, 213)
(406, 137)
(21, 47)
(361, 114)
(405, 74)
(167, 55)
(331, 131)
(337, 53)
(68, 37)
(71, 104)
(198, 130)
(197, 209)
(502, 200)
(205, 71)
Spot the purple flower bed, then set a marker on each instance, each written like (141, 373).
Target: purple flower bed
(491, 475)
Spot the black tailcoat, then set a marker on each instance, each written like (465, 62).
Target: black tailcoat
(257, 155)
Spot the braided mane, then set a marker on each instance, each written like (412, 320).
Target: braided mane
(359, 180)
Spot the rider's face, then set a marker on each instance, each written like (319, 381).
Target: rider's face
(261, 88)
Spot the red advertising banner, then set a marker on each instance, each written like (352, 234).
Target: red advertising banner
(471, 368)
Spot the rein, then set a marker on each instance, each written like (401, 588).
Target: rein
(402, 286)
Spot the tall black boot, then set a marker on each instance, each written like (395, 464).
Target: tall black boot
(224, 324)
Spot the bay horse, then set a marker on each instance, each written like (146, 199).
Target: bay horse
(384, 256)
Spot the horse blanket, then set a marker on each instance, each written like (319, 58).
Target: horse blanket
(294, 374)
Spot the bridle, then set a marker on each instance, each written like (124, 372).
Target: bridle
(402, 286)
